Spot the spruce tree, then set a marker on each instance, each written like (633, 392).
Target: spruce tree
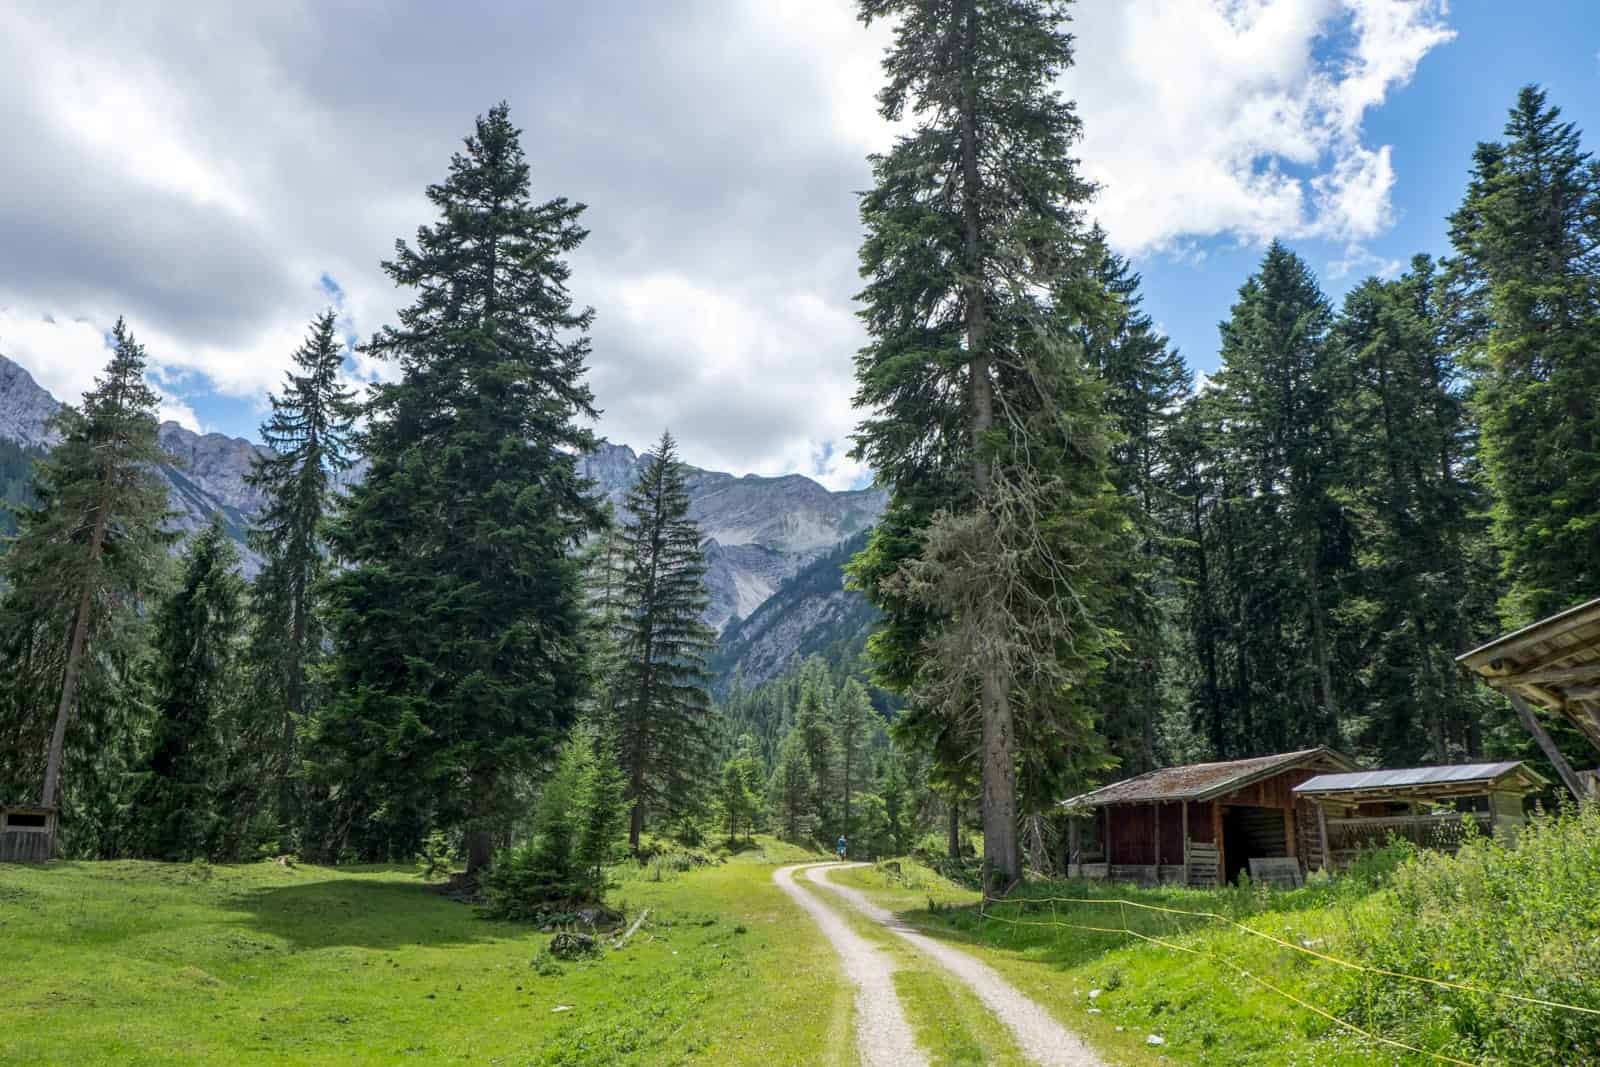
(90, 549)
(197, 630)
(458, 614)
(852, 726)
(310, 434)
(1527, 277)
(1145, 382)
(812, 722)
(1286, 541)
(661, 718)
(1409, 470)
(980, 414)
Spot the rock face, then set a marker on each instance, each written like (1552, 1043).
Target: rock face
(25, 406)
(760, 532)
(807, 614)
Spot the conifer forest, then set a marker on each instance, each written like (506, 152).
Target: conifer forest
(440, 644)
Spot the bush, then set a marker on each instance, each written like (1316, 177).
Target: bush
(1523, 920)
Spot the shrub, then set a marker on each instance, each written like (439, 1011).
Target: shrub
(1522, 920)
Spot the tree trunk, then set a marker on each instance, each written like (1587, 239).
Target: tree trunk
(1002, 861)
(69, 681)
(1002, 856)
(953, 826)
(480, 852)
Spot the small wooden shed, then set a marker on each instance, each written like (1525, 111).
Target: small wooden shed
(27, 833)
(1201, 824)
(1552, 664)
(1427, 805)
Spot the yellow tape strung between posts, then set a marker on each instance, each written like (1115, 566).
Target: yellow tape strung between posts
(1441, 1057)
(1236, 924)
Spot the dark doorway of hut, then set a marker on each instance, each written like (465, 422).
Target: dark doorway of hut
(1249, 833)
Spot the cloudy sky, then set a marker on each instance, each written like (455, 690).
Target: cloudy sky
(219, 174)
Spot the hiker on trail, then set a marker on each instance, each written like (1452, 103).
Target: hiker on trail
(840, 848)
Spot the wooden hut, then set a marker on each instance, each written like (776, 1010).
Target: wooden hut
(27, 833)
(1201, 824)
(1430, 806)
(1552, 664)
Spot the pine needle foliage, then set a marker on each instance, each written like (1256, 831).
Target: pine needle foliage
(311, 437)
(458, 615)
(661, 718)
(1527, 277)
(90, 550)
(979, 412)
(174, 813)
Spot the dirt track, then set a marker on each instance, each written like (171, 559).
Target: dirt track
(883, 1035)
(1037, 1033)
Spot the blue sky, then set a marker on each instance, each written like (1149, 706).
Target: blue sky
(1458, 97)
(220, 174)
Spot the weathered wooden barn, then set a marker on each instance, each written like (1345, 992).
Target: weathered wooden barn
(1430, 806)
(27, 833)
(1201, 824)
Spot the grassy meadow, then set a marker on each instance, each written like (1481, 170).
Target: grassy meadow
(144, 963)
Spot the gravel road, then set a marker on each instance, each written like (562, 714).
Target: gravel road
(882, 1034)
(1040, 1037)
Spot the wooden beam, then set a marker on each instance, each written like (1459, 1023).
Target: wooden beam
(1582, 692)
(1530, 722)
(1322, 834)
(1583, 672)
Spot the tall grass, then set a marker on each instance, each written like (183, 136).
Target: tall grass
(1523, 920)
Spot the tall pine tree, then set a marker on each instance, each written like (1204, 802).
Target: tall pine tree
(1527, 274)
(1409, 468)
(980, 414)
(174, 812)
(1145, 383)
(310, 434)
(1278, 541)
(90, 549)
(458, 615)
(661, 717)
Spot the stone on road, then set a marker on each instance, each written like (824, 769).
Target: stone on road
(883, 1035)
(1037, 1033)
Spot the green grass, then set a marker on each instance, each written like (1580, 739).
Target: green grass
(1204, 1012)
(143, 963)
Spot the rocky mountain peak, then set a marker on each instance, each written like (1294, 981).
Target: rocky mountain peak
(25, 406)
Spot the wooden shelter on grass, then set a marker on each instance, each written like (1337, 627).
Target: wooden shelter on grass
(1201, 824)
(1552, 664)
(1431, 806)
(27, 833)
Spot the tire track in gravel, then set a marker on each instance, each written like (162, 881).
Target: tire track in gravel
(1036, 1031)
(883, 1036)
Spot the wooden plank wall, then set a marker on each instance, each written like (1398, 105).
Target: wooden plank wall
(25, 846)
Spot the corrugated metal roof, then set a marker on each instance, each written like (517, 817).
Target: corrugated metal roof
(1198, 781)
(1407, 777)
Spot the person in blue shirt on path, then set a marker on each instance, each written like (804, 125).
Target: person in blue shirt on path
(841, 848)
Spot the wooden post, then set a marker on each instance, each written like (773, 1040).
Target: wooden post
(1216, 835)
(1289, 843)
(1531, 723)
(1158, 841)
(1185, 804)
(1322, 837)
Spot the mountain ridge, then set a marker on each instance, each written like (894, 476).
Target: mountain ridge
(759, 531)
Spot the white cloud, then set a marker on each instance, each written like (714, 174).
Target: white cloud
(201, 171)
(1212, 118)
